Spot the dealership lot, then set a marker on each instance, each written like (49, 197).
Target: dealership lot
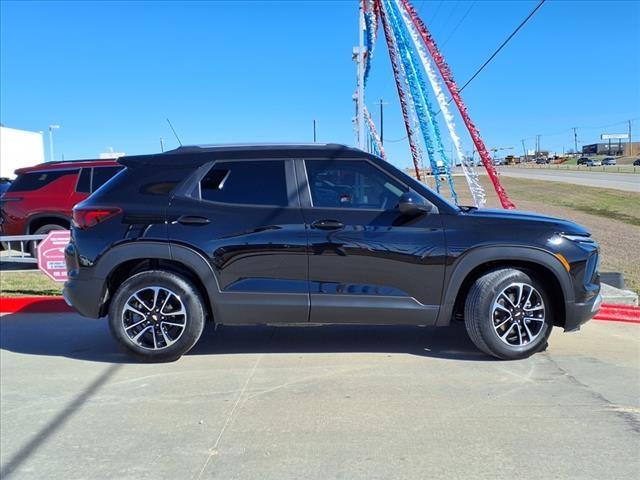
(317, 403)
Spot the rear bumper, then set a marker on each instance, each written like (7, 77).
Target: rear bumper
(85, 295)
(580, 313)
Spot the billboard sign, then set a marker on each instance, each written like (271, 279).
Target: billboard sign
(51, 255)
(614, 136)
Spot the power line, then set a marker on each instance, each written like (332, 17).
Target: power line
(431, 20)
(501, 46)
(458, 24)
(446, 22)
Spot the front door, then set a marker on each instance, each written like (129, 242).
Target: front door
(368, 263)
(244, 217)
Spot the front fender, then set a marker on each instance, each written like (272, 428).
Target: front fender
(456, 273)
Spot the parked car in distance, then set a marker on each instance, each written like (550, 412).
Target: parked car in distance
(583, 160)
(41, 198)
(609, 161)
(636, 162)
(592, 163)
(542, 161)
(315, 234)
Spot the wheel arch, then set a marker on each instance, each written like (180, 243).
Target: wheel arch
(124, 260)
(477, 262)
(41, 219)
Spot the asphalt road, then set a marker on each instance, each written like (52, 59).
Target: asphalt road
(317, 403)
(629, 182)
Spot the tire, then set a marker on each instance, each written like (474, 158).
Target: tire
(499, 324)
(165, 320)
(43, 230)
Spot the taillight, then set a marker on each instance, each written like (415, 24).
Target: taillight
(88, 217)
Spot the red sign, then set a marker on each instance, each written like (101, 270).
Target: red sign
(51, 255)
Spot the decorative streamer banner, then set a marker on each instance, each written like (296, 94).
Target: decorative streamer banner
(415, 105)
(477, 192)
(445, 72)
(376, 143)
(371, 34)
(423, 105)
(413, 143)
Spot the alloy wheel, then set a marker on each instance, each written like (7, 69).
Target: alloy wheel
(154, 318)
(518, 314)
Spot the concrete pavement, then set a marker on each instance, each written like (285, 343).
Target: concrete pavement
(317, 403)
(629, 182)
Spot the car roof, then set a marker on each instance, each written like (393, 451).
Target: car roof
(67, 164)
(198, 154)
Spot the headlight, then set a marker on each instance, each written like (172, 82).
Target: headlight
(578, 238)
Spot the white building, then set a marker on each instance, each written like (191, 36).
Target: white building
(19, 148)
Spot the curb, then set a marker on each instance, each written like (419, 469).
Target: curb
(52, 304)
(607, 313)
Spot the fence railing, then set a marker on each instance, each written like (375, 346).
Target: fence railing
(581, 168)
(18, 248)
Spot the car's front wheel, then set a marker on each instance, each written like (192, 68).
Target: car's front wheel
(157, 315)
(508, 314)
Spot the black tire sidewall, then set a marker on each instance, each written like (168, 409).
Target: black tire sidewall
(484, 312)
(190, 298)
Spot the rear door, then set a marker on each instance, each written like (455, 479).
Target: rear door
(244, 217)
(367, 262)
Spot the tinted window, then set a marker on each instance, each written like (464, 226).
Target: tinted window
(351, 184)
(84, 182)
(258, 183)
(35, 180)
(101, 175)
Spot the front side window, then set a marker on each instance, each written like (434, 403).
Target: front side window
(351, 184)
(246, 182)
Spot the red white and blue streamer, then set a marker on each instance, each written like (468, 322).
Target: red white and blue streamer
(424, 109)
(468, 168)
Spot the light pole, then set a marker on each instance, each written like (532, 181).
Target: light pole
(51, 129)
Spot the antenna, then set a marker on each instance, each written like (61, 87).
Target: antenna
(174, 132)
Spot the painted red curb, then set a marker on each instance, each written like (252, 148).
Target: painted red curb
(56, 304)
(618, 313)
(53, 304)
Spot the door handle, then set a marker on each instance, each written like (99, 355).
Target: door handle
(192, 220)
(328, 224)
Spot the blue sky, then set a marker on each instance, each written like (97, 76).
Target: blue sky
(110, 73)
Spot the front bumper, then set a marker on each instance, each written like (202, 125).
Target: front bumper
(580, 313)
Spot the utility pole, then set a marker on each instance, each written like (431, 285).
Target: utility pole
(381, 103)
(524, 150)
(161, 144)
(630, 144)
(360, 52)
(538, 146)
(314, 131)
(575, 139)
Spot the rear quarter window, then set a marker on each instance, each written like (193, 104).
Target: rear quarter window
(32, 181)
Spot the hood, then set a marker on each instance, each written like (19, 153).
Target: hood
(558, 224)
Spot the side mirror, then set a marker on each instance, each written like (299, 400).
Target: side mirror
(411, 203)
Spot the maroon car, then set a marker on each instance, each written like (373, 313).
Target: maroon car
(41, 198)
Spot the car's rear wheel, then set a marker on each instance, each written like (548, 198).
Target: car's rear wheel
(43, 230)
(508, 314)
(157, 315)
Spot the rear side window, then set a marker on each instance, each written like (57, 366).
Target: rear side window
(101, 175)
(248, 183)
(29, 182)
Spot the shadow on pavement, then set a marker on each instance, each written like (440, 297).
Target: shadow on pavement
(72, 336)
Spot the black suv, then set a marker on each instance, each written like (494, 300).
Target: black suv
(315, 234)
